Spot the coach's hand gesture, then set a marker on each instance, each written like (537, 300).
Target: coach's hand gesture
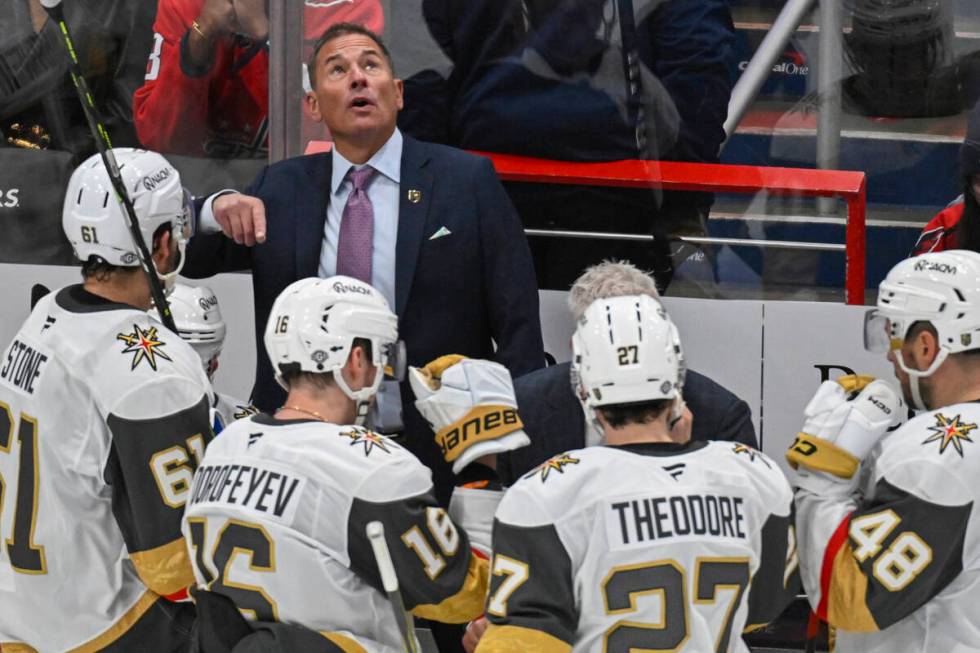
(241, 217)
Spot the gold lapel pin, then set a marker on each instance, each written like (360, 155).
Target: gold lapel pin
(414, 196)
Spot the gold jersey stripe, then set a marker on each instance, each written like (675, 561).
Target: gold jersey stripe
(847, 606)
(516, 639)
(466, 604)
(165, 569)
(821, 455)
(16, 647)
(344, 643)
(118, 629)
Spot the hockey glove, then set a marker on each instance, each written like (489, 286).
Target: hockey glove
(470, 404)
(843, 422)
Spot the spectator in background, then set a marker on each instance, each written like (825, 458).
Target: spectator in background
(585, 80)
(207, 78)
(552, 414)
(39, 108)
(958, 225)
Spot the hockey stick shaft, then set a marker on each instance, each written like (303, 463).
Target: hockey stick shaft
(104, 145)
(389, 580)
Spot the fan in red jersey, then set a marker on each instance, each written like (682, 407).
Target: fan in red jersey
(207, 77)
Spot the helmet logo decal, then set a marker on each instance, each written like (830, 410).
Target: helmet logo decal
(207, 303)
(144, 345)
(966, 339)
(665, 387)
(129, 258)
(319, 356)
(950, 432)
(341, 287)
(150, 182)
(935, 266)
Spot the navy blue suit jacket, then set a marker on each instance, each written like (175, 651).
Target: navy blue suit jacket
(455, 294)
(554, 420)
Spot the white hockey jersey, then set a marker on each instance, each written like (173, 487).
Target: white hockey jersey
(227, 409)
(641, 547)
(898, 569)
(103, 416)
(276, 522)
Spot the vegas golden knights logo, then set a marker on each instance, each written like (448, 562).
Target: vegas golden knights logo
(144, 345)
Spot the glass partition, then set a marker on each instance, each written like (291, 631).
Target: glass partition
(565, 80)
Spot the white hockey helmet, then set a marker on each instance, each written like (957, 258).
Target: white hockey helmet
(942, 288)
(626, 350)
(198, 319)
(94, 220)
(313, 324)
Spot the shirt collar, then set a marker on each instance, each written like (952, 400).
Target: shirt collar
(387, 161)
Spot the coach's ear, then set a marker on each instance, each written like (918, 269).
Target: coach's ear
(314, 106)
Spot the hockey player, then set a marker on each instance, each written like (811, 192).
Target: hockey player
(103, 417)
(887, 521)
(278, 509)
(198, 318)
(652, 542)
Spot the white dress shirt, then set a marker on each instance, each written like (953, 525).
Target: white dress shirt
(383, 193)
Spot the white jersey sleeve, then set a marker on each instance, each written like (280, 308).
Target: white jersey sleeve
(227, 409)
(900, 562)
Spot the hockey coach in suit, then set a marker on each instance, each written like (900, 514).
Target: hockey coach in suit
(442, 241)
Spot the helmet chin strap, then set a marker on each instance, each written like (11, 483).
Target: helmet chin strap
(676, 413)
(362, 397)
(915, 375)
(917, 401)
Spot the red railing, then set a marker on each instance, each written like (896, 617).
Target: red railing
(714, 178)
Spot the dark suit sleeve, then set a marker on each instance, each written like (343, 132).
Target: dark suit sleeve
(736, 424)
(510, 284)
(719, 414)
(211, 254)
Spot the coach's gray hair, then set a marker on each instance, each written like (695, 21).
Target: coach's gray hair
(609, 279)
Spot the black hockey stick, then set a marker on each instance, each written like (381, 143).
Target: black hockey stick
(102, 142)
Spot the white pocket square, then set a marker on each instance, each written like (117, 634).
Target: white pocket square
(439, 234)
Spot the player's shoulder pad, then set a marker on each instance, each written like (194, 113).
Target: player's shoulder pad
(551, 487)
(141, 369)
(759, 471)
(234, 408)
(935, 455)
(353, 459)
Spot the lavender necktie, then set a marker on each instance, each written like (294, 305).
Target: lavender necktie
(355, 245)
